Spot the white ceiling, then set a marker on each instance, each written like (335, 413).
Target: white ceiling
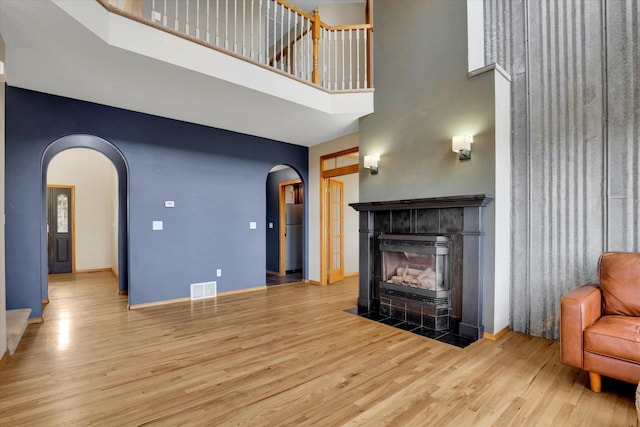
(79, 50)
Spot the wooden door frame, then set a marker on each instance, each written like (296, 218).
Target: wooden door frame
(282, 227)
(324, 216)
(72, 188)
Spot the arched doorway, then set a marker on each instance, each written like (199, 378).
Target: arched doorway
(119, 162)
(285, 232)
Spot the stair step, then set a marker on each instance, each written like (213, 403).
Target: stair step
(17, 321)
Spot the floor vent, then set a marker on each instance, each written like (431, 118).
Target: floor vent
(204, 290)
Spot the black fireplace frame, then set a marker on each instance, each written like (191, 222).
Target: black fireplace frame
(416, 216)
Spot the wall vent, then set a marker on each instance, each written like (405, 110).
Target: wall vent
(203, 290)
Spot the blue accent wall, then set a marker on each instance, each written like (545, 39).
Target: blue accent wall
(216, 178)
(273, 214)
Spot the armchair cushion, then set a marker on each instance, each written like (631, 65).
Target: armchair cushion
(620, 283)
(614, 336)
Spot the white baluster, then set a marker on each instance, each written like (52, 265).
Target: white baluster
(217, 22)
(335, 59)
(226, 24)
(324, 58)
(343, 60)
(252, 51)
(358, 59)
(350, 60)
(295, 44)
(260, 58)
(303, 50)
(207, 36)
(327, 58)
(164, 13)
(266, 34)
(198, 19)
(244, 45)
(309, 52)
(186, 28)
(275, 17)
(281, 37)
(156, 16)
(366, 58)
(176, 18)
(289, 41)
(235, 26)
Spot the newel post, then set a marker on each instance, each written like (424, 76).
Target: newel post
(315, 34)
(137, 6)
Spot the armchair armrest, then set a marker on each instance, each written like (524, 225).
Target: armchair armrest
(579, 309)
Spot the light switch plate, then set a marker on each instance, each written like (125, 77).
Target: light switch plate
(219, 272)
(157, 225)
(253, 225)
(169, 204)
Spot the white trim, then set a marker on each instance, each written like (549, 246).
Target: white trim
(475, 34)
(490, 67)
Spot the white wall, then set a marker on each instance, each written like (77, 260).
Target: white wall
(502, 293)
(475, 34)
(315, 152)
(93, 176)
(342, 14)
(351, 242)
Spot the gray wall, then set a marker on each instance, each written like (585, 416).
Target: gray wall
(575, 68)
(216, 179)
(424, 97)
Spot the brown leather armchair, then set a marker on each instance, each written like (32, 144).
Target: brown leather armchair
(600, 324)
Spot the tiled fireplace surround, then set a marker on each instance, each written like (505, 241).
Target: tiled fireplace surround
(459, 217)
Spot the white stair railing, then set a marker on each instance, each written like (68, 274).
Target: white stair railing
(270, 32)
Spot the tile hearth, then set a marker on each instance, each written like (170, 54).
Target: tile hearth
(447, 336)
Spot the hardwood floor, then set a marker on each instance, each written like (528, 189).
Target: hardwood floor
(286, 355)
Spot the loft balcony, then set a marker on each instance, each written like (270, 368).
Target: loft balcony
(260, 67)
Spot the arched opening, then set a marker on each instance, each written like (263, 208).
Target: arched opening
(285, 231)
(117, 159)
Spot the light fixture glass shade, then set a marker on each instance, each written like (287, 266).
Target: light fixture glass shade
(371, 162)
(461, 142)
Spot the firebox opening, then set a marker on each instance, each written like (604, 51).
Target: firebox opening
(415, 270)
(415, 285)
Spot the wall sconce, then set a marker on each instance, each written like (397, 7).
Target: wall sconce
(372, 162)
(461, 144)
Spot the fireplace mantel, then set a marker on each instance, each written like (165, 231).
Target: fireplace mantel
(428, 203)
(461, 217)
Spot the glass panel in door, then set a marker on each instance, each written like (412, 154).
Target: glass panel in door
(336, 230)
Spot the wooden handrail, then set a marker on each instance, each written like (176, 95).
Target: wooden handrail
(347, 27)
(295, 9)
(282, 53)
(283, 61)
